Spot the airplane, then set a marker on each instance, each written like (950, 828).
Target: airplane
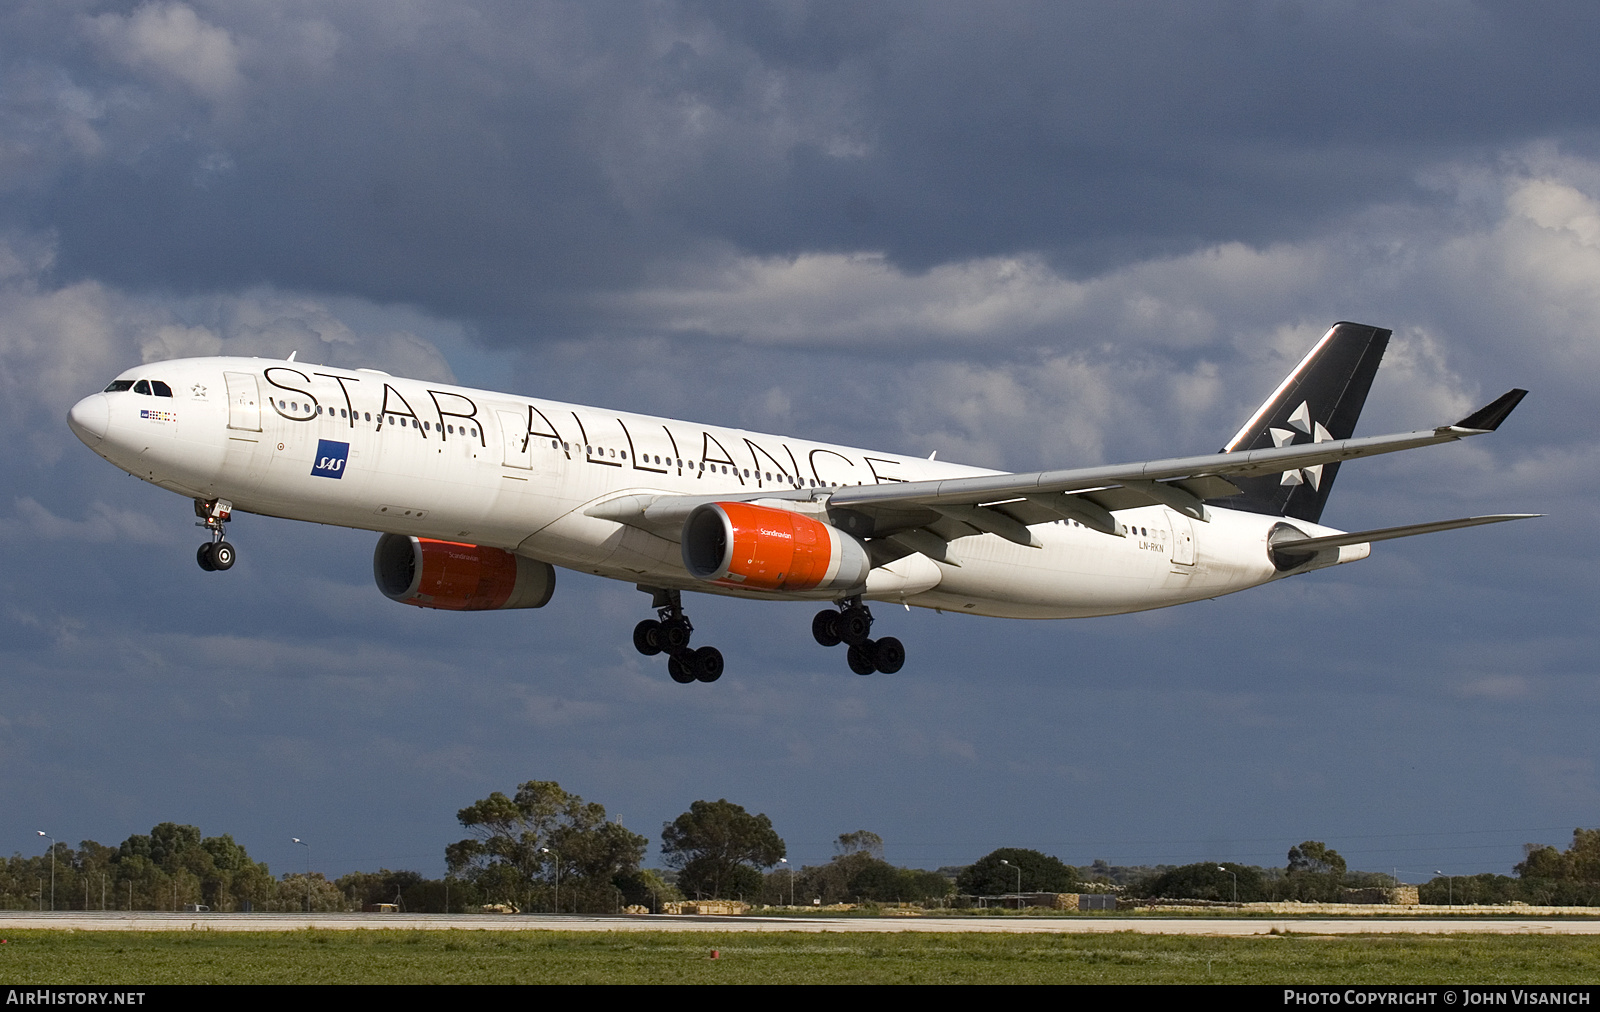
(478, 496)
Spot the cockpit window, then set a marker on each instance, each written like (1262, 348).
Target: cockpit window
(160, 388)
(118, 386)
(142, 387)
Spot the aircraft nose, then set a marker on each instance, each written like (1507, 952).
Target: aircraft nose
(89, 418)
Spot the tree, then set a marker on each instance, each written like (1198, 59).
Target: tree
(298, 893)
(1562, 877)
(858, 874)
(717, 848)
(862, 841)
(1543, 863)
(382, 886)
(1208, 881)
(1315, 872)
(1314, 857)
(1041, 873)
(646, 888)
(1585, 855)
(544, 846)
(174, 865)
(1471, 889)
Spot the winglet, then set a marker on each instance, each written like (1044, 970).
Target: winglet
(1488, 418)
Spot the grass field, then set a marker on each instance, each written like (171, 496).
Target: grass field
(397, 957)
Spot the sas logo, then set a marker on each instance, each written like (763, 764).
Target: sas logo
(331, 456)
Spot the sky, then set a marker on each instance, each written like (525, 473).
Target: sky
(1023, 235)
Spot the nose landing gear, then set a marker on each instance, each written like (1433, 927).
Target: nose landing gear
(669, 633)
(852, 625)
(216, 555)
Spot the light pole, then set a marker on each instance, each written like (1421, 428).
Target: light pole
(1235, 884)
(1450, 886)
(1018, 868)
(307, 846)
(52, 867)
(785, 862)
(547, 850)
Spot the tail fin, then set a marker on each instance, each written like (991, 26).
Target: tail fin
(1320, 400)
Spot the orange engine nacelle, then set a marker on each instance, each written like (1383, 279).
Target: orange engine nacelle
(763, 548)
(457, 577)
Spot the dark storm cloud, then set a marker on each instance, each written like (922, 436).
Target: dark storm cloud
(497, 161)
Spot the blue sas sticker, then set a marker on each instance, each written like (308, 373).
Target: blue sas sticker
(331, 456)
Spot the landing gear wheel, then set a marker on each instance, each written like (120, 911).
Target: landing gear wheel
(669, 633)
(222, 556)
(678, 670)
(825, 628)
(888, 655)
(647, 637)
(203, 556)
(860, 658)
(707, 664)
(855, 625)
(675, 634)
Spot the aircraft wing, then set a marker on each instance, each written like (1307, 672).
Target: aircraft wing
(1002, 503)
(922, 516)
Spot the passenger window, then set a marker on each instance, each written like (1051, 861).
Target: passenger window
(160, 388)
(118, 386)
(141, 387)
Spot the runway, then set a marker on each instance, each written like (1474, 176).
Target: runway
(1153, 925)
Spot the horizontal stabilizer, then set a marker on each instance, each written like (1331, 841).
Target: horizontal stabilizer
(1306, 546)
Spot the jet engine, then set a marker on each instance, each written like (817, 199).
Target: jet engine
(738, 544)
(458, 577)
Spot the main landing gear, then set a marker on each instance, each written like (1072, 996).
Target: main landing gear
(852, 625)
(669, 634)
(215, 555)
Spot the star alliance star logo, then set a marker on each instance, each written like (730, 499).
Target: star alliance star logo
(1301, 420)
(199, 391)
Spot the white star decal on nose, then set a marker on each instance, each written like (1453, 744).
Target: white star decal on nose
(1301, 420)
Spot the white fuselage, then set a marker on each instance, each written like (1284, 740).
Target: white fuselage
(363, 449)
